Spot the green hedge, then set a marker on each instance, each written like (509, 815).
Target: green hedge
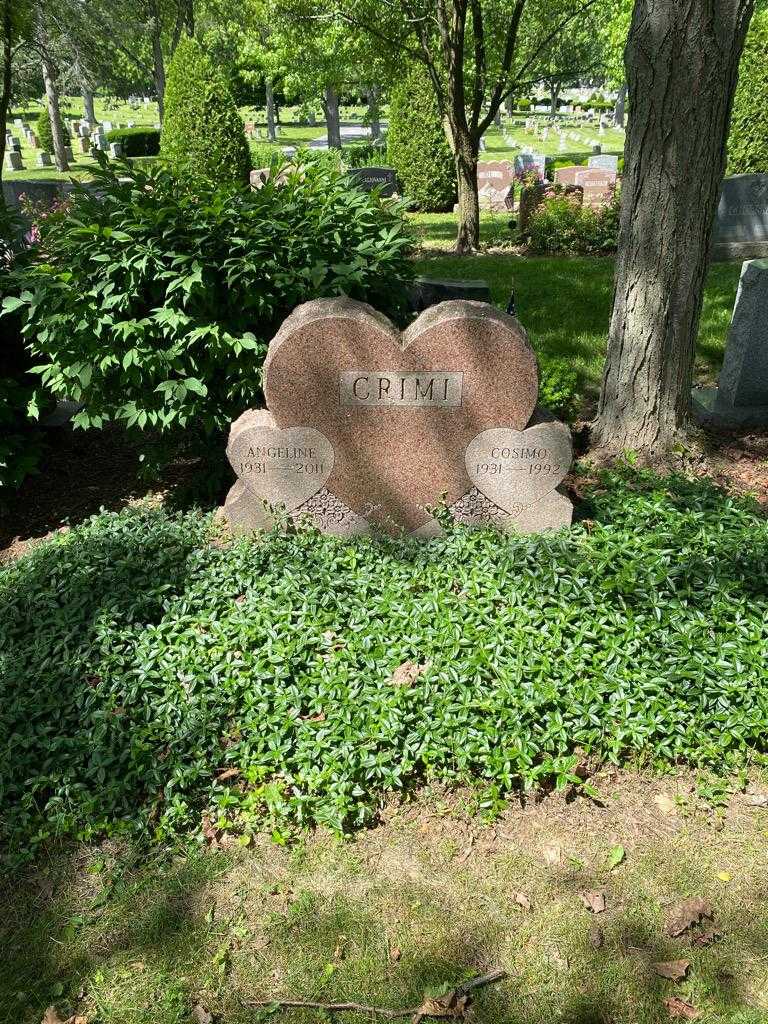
(136, 141)
(748, 140)
(203, 136)
(417, 147)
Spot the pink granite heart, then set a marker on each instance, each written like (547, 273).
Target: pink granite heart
(517, 467)
(399, 410)
(281, 467)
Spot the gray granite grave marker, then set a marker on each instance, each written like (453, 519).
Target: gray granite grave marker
(742, 398)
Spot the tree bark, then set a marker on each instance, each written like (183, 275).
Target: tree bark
(5, 89)
(52, 104)
(619, 108)
(374, 96)
(509, 105)
(88, 107)
(270, 97)
(682, 64)
(158, 63)
(331, 108)
(468, 237)
(554, 93)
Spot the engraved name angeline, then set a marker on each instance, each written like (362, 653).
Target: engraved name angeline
(433, 388)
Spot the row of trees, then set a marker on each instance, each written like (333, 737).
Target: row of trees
(680, 67)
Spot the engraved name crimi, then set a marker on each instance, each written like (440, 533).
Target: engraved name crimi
(432, 388)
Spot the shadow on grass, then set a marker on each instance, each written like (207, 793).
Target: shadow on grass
(150, 941)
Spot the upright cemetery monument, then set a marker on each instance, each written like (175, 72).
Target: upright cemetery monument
(741, 400)
(370, 428)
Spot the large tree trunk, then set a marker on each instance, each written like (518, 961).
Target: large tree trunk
(88, 107)
(54, 113)
(374, 96)
(509, 105)
(331, 108)
(619, 108)
(5, 88)
(270, 95)
(468, 237)
(158, 63)
(682, 65)
(554, 94)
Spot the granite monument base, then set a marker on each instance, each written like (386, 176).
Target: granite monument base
(710, 410)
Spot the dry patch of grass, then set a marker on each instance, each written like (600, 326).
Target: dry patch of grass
(432, 896)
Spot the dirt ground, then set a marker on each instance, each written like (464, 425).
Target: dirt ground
(647, 906)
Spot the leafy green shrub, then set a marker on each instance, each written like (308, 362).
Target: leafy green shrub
(365, 154)
(20, 438)
(417, 147)
(264, 155)
(562, 225)
(154, 302)
(203, 135)
(559, 388)
(748, 140)
(148, 677)
(44, 131)
(523, 105)
(136, 141)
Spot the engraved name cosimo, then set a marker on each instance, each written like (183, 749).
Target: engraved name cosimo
(392, 388)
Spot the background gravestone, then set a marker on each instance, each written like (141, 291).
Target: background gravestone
(370, 427)
(742, 397)
(741, 224)
(609, 161)
(494, 178)
(369, 178)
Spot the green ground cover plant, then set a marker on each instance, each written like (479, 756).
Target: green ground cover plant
(154, 303)
(151, 680)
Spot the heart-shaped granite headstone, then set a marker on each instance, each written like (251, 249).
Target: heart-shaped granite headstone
(282, 467)
(516, 467)
(399, 410)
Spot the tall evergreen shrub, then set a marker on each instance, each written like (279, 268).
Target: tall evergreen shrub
(44, 131)
(748, 141)
(417, 147)
(203, 135)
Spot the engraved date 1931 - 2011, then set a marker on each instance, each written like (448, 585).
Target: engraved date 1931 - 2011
(284, 460)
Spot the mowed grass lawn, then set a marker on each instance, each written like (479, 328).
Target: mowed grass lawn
(565, 303)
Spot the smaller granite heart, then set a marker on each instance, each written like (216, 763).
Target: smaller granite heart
(516, 467)
(282, 467)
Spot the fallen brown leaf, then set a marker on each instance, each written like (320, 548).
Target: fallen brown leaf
(553, 854)
(705, 936)
(395, 954)
(687, 914)
(51, 1016)
(675, 970)
(680, 1008)
(228, 773)
(522, 901)
(665, 804)
(594, 901)
(200, 1015)
(596, 937)
(452, 1004)
(407, 673)
(757, 799)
